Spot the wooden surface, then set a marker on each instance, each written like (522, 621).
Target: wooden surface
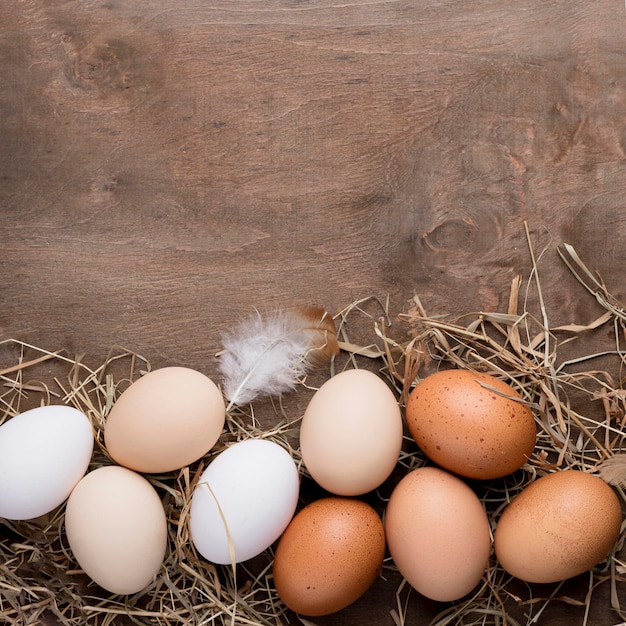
(167, 167)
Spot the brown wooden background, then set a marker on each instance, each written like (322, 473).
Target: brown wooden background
(167, 166)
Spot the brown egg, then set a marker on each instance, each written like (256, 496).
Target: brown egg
(559, 526)
(438, 533)
(470, 423)
(165, 420)
(329, 555)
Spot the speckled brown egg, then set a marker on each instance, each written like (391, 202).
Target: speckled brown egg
(559, 526)
(471, 423)
(329, 555)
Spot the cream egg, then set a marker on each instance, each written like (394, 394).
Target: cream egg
(116, 529)
(165, 420)
(438, 533)
(351, 433)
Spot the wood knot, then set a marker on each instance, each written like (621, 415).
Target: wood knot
(452, 234)
(106, 65)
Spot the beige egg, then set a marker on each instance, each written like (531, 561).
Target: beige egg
(117, 529)
(471, 423)
(438, 534)
(329, 555)
(351, 433)
(165, 420)
(559, 526)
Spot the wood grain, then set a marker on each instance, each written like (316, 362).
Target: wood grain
(167, 167)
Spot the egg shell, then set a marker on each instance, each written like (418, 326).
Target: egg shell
(557, 527)
(351, 433)
(243, 501)
(165, 420)
(44, 452)
(438, 533)
(329, 556)
(471, 423)
(116, 528)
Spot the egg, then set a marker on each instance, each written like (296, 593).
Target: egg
(243, 501)
(116, 529)
(329, 555)
(44, 452)
(471, 423)
(557, 527)
(351, 433)
(438, 533)
(165, 420)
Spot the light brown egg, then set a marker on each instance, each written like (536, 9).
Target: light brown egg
(437, 533)
(165, 420)
(559, 526)
(329, 555)
(470, 423)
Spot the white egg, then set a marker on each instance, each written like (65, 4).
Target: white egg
(244, 501)
(44, 452)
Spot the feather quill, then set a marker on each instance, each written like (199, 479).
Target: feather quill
(267, 356)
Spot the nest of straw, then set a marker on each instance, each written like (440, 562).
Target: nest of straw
(579, 409)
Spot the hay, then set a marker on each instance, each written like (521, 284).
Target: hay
(579, 403)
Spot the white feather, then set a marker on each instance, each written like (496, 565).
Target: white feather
(267, 356)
